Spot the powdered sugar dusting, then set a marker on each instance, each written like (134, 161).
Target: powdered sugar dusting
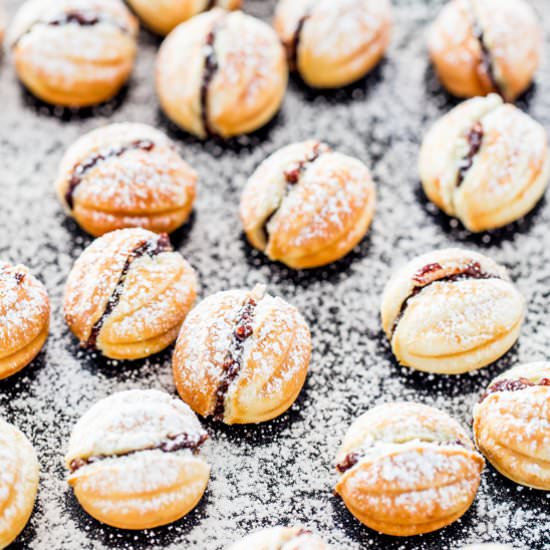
(281, 472)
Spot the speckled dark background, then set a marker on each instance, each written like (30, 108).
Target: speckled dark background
(280, 472)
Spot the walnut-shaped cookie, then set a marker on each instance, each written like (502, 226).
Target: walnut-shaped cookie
(126, 175)
(484, 46)
(451, 311)
(24, 318)
(221, 73)
(19, 476)
(330, 43)
(307, 206)
(128, 294)
(512, 424)
(242, 356)
(485, 162)
(281, 538)
(407, 469)
(133, 460)
(73, 53)
(162, 16)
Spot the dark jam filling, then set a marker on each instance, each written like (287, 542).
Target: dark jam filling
(295, 171)
(293, 174)
(471, 271)
(507, 385)
(81, 168)
(84, 19)
(294, 45)
(171, 445)
(348, 463)
(487, 61)
(75, 17)
(19, 277)
(210, 5)
(210, 69)
(150, 248)
(351, 459)
(233, 362)
(475, 140)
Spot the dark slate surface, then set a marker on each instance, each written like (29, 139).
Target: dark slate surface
(282, 471)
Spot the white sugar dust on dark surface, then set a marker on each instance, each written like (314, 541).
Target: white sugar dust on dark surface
(281, 472)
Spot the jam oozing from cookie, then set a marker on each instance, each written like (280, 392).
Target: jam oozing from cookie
(233, 361)
(210, 5)
(292, 176)
(475, 140)
(19, 277)
(151, 248)
(210, 69)
(82, 18)
(427, 275)
(172, 444)
(508, 385)
(295, 171)
(351, 459)
(75, 17)
(80, 170)
(294, 45)
(487, 62)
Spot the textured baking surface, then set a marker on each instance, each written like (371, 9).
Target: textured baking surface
(282, 471)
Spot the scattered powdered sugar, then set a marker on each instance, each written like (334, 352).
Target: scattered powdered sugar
(281, 472)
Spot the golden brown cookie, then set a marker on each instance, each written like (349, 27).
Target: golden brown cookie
(308, 206)
(451, 311)
(133, 460)
(485, 162)
(161, 16)
(73, 52)
(330, 43)
(24, 318)
(407, 469)
(511, 424)
(242, 356)
(126, 175)
(128, 294)
(484, 46)
(221, 73)
(19, 476)
(281, 538)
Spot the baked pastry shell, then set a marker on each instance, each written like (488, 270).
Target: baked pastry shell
(106, 490)
(274, 365)
(458, 57)
(417, 486)
(320, 220)
(153, 189)
(19, 483)
(157, 295)
(247, 88)
(28, 306)
(329, 53)
(164, 15)
(124, 477)
(81, 66)
(489, 196)
(511, 428)
(451, 328)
